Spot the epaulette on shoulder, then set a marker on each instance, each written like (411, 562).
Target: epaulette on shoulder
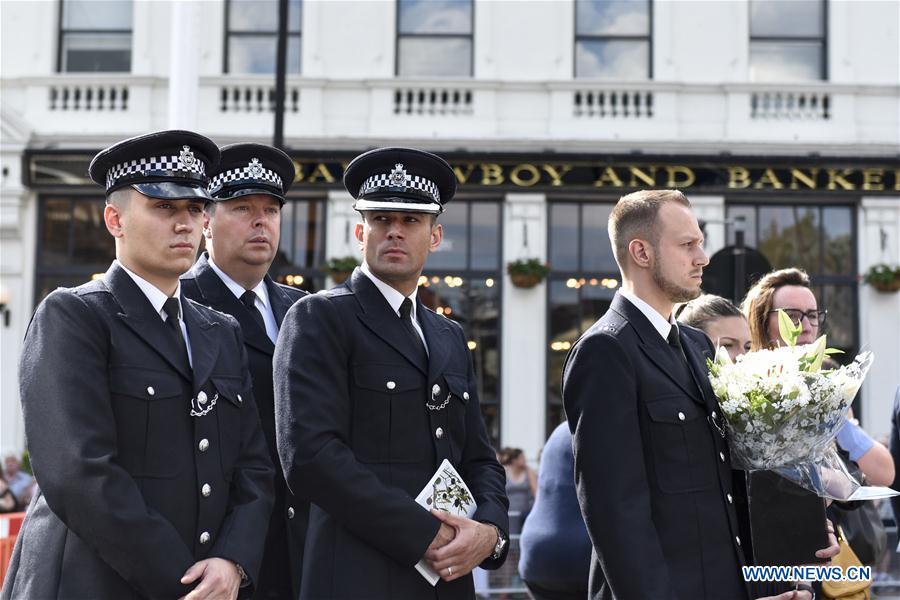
(609, 328)
(336, 292)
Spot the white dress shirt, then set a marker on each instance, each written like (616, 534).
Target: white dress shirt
(157, 298)
(659, 323)
(395, 299)
(262, 299)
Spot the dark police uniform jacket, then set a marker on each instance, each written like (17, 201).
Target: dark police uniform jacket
(355, 435)
(283, 557)
(652, 471)
(133, 489)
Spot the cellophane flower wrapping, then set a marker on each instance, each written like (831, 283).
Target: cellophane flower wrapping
(783, 411)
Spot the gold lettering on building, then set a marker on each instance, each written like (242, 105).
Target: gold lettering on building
(320, 172)
(298, 171)
(897, 180)
(491, 174)
(687, 179)
(556, 173)
(738, 178)
(532, 175)
(647, 178)
(768, 178)
(872, 179)
(463, 176)
(608, 176)
(807, 179)
(836, 179)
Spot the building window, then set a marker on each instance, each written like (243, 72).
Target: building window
(73, 244)
(434, 38)
(787, 40)
(95, 36)
(582, 282)
(819, 239)
(301, 250)
(462, 282)
(251, 36)
(613, 39)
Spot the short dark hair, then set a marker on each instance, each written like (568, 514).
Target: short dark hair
(703, 310)
(634, 216)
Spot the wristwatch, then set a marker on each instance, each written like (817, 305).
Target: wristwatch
(243, 575)
(500, 545)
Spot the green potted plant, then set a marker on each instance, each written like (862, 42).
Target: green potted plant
(527, 272)
(339, 268)
(883, 277)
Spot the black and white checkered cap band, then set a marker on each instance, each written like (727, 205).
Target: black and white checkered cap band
(248, 174)
(155, 166)
(377, 183)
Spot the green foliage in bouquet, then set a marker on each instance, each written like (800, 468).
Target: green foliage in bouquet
(790, 332)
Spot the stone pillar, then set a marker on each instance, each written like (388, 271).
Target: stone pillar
(523, 329)
(341, 220)
(17, 230)
(879, 318)
(184, 59)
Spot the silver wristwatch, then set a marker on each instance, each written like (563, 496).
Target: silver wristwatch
(500, 545)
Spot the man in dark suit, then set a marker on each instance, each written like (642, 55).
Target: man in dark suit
(243, 223)
(372, 392)
(651, 461)
(139, 413)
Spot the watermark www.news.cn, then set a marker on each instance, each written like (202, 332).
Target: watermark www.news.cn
(807, 573)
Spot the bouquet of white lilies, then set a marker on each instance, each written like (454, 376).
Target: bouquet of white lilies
(783, 410)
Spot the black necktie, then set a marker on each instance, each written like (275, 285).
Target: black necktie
(249, 300)
(412, 334)
(675, 340)
(172, 308)
(675, 343)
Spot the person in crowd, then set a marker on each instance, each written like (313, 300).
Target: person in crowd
(242, 228)
(8, 501)
(554, 549)
(373, 391)
(138, 408)
(722, 322)
(18, 480)
(789, 290)
(652, 470)
(895, 452)
(521, 487)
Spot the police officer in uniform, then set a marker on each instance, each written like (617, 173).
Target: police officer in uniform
(242, 229)
(372, 392)
(139, 413)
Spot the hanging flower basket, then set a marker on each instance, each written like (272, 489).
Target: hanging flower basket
(527, 273)
(340, 268)
(883, 277)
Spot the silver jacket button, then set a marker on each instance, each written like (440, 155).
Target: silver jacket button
(439, 433)
(206, 490)
(435, 390)
(240, 400)
(722, 456)
(203, 445)
(150, 390)
(681, 416)
(465, 395)
(390, 385)
(730, 499)
(201, 397)
(738, 540)
(290, 512)
(204, 537)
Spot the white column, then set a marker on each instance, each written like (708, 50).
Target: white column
(523, 328)
(711, 209)
(879, 318)
(17, 233)
(184, 60)
(340, 239)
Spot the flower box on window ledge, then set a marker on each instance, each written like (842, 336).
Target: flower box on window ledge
(340, 268)
(883, 277)
(527, 273)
